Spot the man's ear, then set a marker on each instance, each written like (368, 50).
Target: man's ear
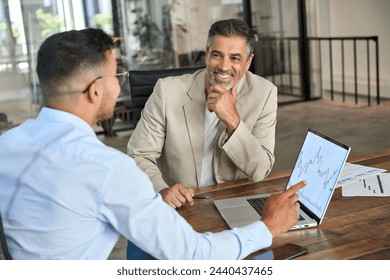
(249, 61)
(94, 93)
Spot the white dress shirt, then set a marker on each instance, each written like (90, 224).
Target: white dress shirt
(65, 195)
(210, 132)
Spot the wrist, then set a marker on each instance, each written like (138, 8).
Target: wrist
(163, 191)
(274, 232)
(232, 126)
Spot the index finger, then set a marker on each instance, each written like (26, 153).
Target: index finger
(216, 88)
(187, 194)
(297, 187)
(233, 91)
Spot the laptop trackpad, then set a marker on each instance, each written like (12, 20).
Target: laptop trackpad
(239, 216)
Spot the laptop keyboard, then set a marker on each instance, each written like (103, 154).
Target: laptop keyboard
(258, 205)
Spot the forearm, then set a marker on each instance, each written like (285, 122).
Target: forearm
(145, 156)
(237, 243)
(254, 156)
(138, 213)
(153, 172)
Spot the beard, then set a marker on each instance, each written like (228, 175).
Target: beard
(217, 71)
(106, 110)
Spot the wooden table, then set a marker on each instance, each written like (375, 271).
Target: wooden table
(353, 228)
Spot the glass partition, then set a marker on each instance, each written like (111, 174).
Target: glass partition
(153, 34)
(170, 33)
(23, 27)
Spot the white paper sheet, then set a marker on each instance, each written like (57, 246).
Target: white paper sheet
(355, 172)
(377, 185)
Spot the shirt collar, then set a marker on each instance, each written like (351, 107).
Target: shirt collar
(53, 115)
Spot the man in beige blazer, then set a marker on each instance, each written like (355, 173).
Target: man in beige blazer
(213, 126)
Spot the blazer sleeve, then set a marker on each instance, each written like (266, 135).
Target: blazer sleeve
(251, 150)
(147, 140)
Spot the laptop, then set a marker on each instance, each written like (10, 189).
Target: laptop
(319, 162)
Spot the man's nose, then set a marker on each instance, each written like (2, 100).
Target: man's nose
(225, 64)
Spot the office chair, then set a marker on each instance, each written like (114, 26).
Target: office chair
(4, 253)
(142, 83)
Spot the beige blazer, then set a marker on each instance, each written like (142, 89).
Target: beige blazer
(167, 143)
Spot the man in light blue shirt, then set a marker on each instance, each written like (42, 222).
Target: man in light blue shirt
(65, 195)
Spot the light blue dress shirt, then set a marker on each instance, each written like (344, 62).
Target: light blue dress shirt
(65, 195)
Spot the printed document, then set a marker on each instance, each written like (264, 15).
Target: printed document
(377, 185)
(355, 172)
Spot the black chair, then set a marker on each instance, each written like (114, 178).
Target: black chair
(142, 83)
(4, 253)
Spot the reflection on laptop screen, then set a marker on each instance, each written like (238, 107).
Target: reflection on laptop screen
(319, 163)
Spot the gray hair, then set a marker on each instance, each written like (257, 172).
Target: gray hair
(232, 27)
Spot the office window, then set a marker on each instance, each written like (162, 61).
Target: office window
(23, 27)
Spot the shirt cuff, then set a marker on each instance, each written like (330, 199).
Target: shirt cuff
(253, 237)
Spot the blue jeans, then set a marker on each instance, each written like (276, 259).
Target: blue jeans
(135, 253)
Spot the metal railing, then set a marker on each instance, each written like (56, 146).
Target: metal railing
(279, 66)
(354, 40)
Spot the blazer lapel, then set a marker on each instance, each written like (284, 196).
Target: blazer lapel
(194, 118)
(241, 96)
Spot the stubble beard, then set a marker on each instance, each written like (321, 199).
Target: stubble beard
(228, 86)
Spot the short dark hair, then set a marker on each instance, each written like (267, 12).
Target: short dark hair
(65, 54)
(232, 27)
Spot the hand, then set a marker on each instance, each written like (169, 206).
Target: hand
(224, 104)
(281, 210)
(178, 195)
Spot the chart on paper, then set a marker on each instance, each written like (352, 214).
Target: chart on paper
(377, 185)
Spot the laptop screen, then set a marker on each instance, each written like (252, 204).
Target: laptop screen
(320, 162)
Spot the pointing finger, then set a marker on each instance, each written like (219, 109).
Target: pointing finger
(297, 187)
